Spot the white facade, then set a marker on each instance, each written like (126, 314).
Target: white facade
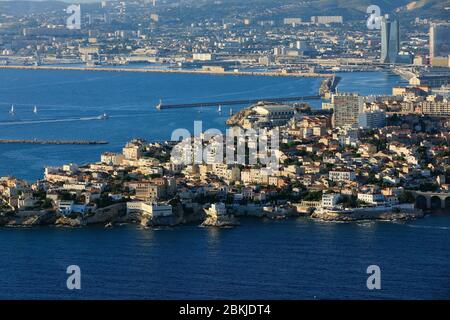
(217, 209)
(202, 56)
(161, 210)
(327, 19)
(372, 198)
(111, 158)
(292, 21)
(69, 207)
(132, 151)
(150, 209)
(228, 173)
(342, 176)
(330, 200)
(273, 114)
(254, 176)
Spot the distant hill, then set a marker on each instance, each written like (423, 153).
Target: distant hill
(270, 9)
(353, 8)
(427, 7)
(350, 9)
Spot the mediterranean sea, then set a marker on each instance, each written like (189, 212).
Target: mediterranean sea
(260, 259)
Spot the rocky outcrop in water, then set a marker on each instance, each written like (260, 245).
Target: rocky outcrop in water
(220, 221)
(368, 215)
(108, 214)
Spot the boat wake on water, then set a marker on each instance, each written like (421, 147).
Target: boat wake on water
(23, 122)
(428, 227)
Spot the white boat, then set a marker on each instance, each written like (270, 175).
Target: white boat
(12, 111)
(104, 116)
(35, 110)
(219, 109)
(231, 111)
(158, 106)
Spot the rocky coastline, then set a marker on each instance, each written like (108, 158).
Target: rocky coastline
(116, 214)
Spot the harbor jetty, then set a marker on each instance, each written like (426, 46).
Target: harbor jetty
(161, 105)
(328, 86)
(35, 141)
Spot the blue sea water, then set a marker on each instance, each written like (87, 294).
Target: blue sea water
(261, 259)
(292, 259)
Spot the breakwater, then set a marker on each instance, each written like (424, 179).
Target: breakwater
(235, 102)
(63, 142)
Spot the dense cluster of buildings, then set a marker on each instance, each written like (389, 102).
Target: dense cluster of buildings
(358, 152)
(372, 152)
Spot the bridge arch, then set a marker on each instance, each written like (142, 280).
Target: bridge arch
(435, 203)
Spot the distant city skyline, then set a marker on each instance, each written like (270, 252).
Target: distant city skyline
(390, 40)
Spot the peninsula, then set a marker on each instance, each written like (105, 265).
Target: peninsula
(361, 158)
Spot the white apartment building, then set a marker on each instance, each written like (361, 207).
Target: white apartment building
(217, 209)
(327, 19)
(254, 176)
(112, 158)
(292, 21)
(273, 114)
(149, 209)
(68, 207)
(132, 151)
(372, 198)
(330, 200)
(342, 175)
(202, 57)
(436, 109)
(229, 173)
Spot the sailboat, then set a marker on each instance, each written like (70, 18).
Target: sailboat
(35, 110)
(219, 109)
(231, 111)
(12, 111)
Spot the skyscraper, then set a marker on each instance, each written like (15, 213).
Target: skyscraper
(439, 44)
(390, 40)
